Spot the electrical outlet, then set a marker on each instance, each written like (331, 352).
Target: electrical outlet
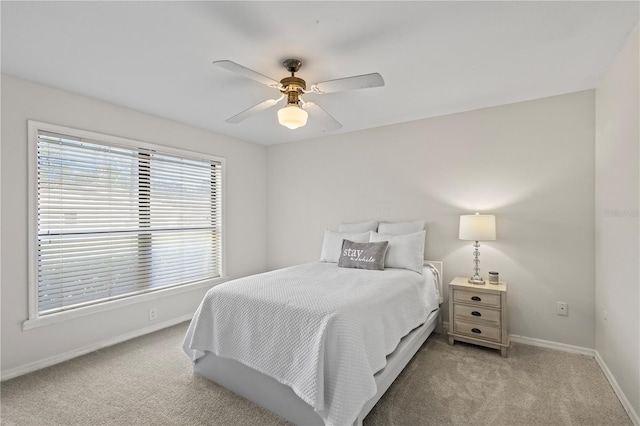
(562, 308)
(153, 314)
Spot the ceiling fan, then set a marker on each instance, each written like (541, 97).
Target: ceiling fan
(296, 111)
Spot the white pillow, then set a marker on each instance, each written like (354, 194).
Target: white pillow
(372, 225)
(401, 227)
(332, 244)
(404, 251)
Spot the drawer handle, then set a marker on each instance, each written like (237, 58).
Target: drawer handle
(476, 298)
(476, 314)
(476, 330)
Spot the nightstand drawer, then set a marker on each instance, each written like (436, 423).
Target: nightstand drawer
(479, 331)
(473, 313)
(477, 298)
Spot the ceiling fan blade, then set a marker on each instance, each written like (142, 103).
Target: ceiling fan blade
(246, 72)
(364, 81)
(262, 106)
(327, 121)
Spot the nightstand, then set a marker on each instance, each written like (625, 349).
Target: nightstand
(478, 314)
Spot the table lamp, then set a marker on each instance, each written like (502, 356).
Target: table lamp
(477, 227)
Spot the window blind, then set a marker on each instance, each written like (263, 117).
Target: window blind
(114, 221)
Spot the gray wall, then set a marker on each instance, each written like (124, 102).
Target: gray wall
(531, 164)
(616, 220)
(245, 215)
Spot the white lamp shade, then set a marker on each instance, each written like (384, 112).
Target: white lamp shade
(477, 227)
(292, 116)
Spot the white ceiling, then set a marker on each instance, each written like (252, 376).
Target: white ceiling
(436, 57)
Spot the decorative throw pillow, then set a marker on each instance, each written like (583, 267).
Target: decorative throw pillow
(332, 243)
(363, 255)
(400, 228)
(405, 251)
(371, 225)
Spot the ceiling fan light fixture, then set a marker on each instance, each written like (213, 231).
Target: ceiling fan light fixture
(292, 116)
(293, 88)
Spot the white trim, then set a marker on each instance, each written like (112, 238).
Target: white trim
(552, 345)
(32, 218)
(223, 220)
(563, 347)
(635, 419)
(47, 362)
(35, 320)
(114, 304)
(34, 126)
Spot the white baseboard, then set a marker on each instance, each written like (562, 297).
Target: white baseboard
(552, 345)
(56, 359)
(543, 343)
(47, 362)
(616, 388)
(635, 419)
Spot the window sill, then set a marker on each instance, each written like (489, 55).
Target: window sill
(115, 304)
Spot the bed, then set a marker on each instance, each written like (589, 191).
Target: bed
(315, 343)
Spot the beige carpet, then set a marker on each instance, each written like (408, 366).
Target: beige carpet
(148, 381)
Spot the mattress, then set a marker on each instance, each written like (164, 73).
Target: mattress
(322, 330)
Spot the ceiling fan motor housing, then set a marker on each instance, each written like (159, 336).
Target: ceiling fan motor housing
(293, 87)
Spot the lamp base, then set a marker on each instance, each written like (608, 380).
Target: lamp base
(476, 281)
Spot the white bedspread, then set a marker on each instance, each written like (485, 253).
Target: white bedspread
(322, 330)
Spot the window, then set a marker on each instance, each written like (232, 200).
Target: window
(116, 218)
